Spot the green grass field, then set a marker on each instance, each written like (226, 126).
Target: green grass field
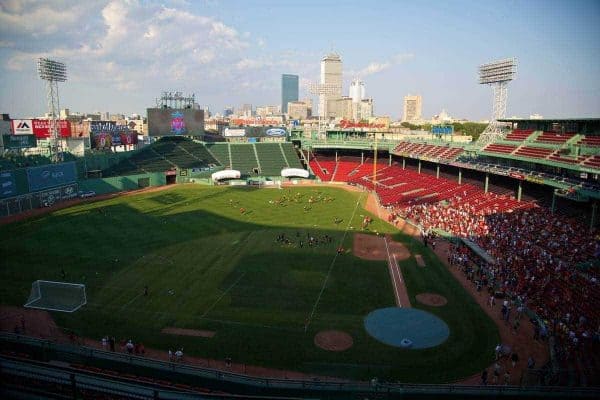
(209, 266)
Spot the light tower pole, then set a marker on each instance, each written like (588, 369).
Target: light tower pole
(53, 72)
(497, 74)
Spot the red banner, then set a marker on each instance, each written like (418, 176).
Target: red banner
(41, 128)
(350, 124)
(516, 176)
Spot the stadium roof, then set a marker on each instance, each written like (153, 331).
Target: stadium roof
(548, 119)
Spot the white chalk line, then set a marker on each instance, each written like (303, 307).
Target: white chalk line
(312, 313)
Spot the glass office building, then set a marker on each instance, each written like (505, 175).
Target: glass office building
(289, 91)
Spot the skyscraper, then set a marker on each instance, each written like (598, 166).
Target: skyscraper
(331, 75)
(289, 90)
(412, 108)
(357, 94)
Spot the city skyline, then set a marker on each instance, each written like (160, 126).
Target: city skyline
(222, 52)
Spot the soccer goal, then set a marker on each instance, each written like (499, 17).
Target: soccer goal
(56, 296)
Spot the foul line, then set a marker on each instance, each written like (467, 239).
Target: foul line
(222, 295)
(312, 313)
(129, 302)
(391, 268)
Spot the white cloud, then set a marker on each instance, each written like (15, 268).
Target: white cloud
(376, 67)
(126, 46)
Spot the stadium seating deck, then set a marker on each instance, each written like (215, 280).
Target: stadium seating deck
(271, 158)
(165, 154)
(428, 150)
(500, 148)
(554, 138)
(590, 141)
(243, 159)
(533, 152)
(519, 135)
(322, 167)
(556, 156)
(221, 152)
(290, 155)
(592, 161)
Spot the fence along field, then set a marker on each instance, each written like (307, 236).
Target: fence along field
(211, 261)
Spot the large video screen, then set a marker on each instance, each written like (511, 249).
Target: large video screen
(107, 133)
(171, 121)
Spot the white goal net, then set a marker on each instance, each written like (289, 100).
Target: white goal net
(56, 296)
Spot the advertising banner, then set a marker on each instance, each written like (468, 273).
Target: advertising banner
(232, 132)
(51, 175)
(41, 128)
(442, 129)
(80, 129)
(19, 141)
(276, 132)
(107, 133)
(171, 121)
(8, 186)
(22, 127)
(59, 194)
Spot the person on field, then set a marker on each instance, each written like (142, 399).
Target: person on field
(484, 377)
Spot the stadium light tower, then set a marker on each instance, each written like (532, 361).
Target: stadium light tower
(53, 72)
(497, 74)
(322, 90)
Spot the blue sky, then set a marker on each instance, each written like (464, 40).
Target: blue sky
(122, 54)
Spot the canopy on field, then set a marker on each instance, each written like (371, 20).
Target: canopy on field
(226, 174)
(289, 172)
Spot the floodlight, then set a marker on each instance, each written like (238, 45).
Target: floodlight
(53, 72)
(497, 74)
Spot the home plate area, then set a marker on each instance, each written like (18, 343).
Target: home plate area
(406, 328)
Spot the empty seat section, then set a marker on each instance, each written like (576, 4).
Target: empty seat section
(243, 159)
(271, 159)
(291, 155)
(221, 152)
(533, 152)
(519, 135)
(500, 148)
(554, 138)
(590, 141)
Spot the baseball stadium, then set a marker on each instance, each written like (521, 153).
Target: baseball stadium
(348, 263)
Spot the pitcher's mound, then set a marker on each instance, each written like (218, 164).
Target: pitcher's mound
(188, 332)
(372, 247)
(431, 299)
(333, 340)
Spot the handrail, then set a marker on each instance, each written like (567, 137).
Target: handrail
(298, 384)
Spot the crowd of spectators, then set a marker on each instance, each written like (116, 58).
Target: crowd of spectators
(538, 257)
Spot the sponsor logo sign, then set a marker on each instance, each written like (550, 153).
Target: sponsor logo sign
(19, 141)
(276, 132)
(52, 175)
(103, 126)
(41, 128)
(8, 186)
(535, 179)
(516, 176)
(231, 132)
(22, 127)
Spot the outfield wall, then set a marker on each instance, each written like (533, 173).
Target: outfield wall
(25, 200)
(123, 183)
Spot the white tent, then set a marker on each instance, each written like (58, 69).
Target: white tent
(294, 172)
(226, 174)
